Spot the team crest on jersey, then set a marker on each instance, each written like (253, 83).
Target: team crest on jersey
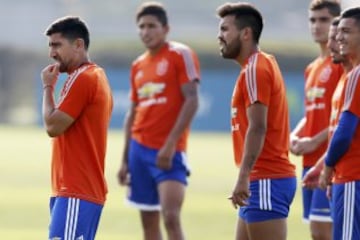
(139, 74)
(162, 67)
(325, 74)
(150, 89)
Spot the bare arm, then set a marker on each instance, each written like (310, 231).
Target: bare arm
(307, 145)
(56, 122)
(128, 122)
(187, 112)
(254, 142)
(255, 137)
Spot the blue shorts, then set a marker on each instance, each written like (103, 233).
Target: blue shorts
(269, 199)
(346, 210)
(145, 176)
(316, 206)
(72, 218)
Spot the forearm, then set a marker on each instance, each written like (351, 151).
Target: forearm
(321, 137)
(254, 142)
(184, 119)
(48, 106)
(128, 122)
(299, 128)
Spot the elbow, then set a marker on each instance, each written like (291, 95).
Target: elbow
(259, 129)
(52, 132)
(195, 103)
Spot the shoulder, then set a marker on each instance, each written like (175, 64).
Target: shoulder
(179, 49)
(312, 64)
(354, 74)
(139, 59)
(261, 61)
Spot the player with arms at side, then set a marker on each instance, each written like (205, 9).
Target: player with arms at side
(342, 158)
(309, 138)
(266, 182)
(78, 123)
(164, 100)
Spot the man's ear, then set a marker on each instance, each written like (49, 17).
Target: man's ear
(246, 33)
(79, 43)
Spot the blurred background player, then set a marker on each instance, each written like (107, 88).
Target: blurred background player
(266, 182)
(311, 178)
(164, 100)
(78, 123)
(342, 168)
(309, 138)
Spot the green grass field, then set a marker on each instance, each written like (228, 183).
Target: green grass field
(207, 214)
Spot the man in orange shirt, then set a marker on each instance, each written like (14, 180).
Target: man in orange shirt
(78, 123)
(309, 138)
(266, 182)
(164, 99)
(343, 154)
(311, 178)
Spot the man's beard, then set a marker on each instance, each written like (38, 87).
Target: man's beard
(232, 50)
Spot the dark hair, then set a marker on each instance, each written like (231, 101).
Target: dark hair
(153, 8)
(246, 15)
(333, 6)
(352, 13)
(70, 28)
(335, 21)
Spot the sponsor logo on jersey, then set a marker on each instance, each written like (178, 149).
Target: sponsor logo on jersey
(315, 92)
(233, 112)
(150, 89)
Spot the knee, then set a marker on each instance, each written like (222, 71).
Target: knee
(171, 219)
(318, 235)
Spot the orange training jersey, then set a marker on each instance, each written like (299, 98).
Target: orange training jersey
(321, 78)
(261, 81)
(78, 156)
(347, 98)
(156, 83)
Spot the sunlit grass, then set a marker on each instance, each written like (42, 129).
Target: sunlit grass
(207, 214)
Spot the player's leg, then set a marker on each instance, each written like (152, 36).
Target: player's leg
(269, 204)
(275, 229)
(72, 218)
(320, 216)
(143, 193)
(171, 188)
(307, 195)
(150, 221)
(346, 210)
(172, 195)
(241, 230)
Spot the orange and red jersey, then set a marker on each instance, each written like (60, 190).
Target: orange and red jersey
(78, 155)
(321, 78)
(347, 98)
(156, 82)
(260, 80)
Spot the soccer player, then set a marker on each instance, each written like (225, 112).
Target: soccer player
(266, 183)
(309, 138)
(78, 123)
(311, 178)
(164, 99)
(343, 154)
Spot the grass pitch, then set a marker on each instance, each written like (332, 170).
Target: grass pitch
(207, 214)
